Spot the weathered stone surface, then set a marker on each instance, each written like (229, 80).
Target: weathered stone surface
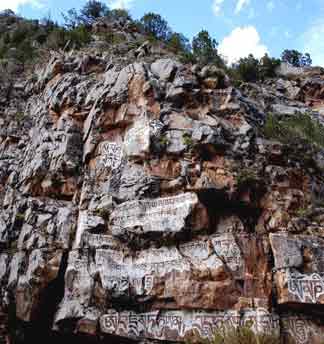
(286, 69)
(285, 110)
(288, 87)
(164, 69)
(300, 267)
(30, 274)
(87, 222)
(47, 224)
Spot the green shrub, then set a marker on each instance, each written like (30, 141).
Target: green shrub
(19, 116)
(268, 66)
(20, 216)
(78, 36)
(18, 43)
(187, 57)
(178, 43)
(57, 39)
(246, 176)
(240, 335)
(187, 140)
(119, 14)
(247, 69)
(104, 213)
(113, 38)
(22, 41)
(91, 11)
(23, 31)
(250, 69)
(303, 211)
(163, 140)
(3, 50)
(299, 128)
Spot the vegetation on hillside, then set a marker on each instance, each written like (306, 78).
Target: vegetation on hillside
(250, 69)
(295, 129)
(23, 40)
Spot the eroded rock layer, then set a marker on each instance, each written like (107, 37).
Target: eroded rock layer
(141, 201)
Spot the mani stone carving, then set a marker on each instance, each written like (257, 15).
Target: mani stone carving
(179, 325)
(154, 272)
(137, 139)
(294, 287)
(304, 252)
(161, 215)
(299, 263)
(111, 154)
(302, 329)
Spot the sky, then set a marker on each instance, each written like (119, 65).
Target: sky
(240, 26)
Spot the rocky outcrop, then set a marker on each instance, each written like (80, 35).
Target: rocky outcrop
(141, 201)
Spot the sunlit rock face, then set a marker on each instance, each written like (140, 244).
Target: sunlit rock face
(140, 201)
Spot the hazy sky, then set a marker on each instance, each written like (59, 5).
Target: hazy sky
(240, 26)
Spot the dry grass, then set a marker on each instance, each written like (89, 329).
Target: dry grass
(240, 335)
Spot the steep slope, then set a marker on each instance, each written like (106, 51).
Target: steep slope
(143, 199)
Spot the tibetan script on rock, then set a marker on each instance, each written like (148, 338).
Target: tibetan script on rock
(302, 330)
(112, 154)
(137, 139)
(177, 325)
(164, 215)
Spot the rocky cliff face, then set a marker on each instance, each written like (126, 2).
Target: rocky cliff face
(141, 201)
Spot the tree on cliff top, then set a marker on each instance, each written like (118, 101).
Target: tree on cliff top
(91, 11)
(268, 66)
(205, 49)
(296, 58)
(154, 25)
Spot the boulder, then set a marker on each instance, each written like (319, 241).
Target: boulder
(164, 69)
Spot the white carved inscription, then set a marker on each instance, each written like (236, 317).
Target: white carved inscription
(228, 250)
(307, 288)
(112, 154)
(137, 139)
(136, 275)
(302, 330)
(174, 325)
(158, 215)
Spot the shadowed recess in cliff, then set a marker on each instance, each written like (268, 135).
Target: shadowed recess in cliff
(217, 202)
(40, 329)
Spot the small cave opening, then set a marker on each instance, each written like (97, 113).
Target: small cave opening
(40, 327)
(39, 330)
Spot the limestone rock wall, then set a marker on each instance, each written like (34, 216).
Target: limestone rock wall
(141, 202)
